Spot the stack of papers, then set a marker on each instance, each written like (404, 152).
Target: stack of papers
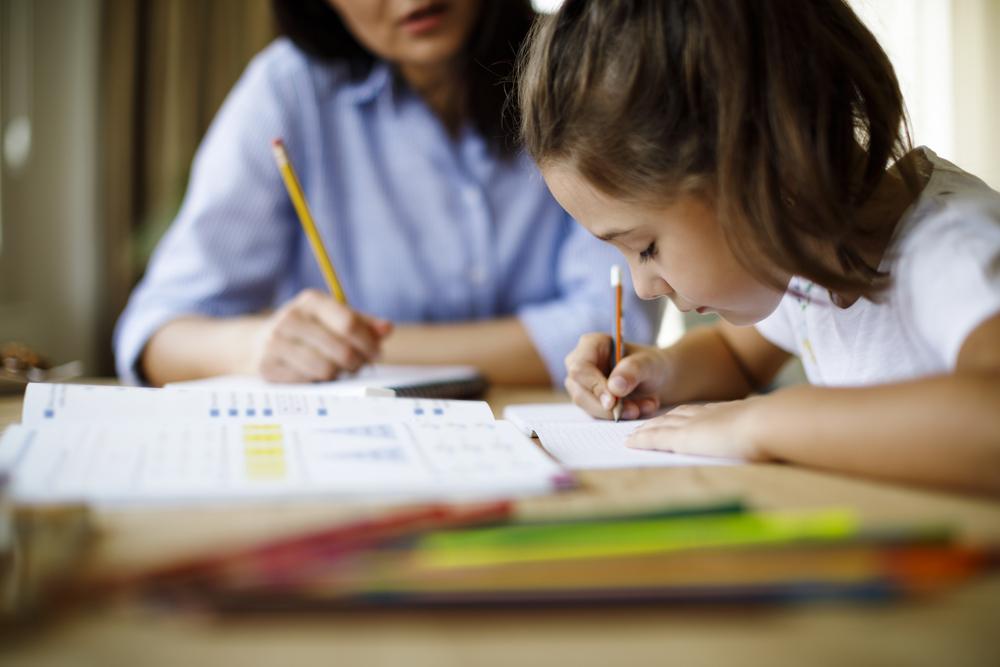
(113, 445)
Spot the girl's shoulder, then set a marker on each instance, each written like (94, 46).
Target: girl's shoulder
(954, 209)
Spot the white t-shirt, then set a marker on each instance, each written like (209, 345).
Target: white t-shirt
(944, 262)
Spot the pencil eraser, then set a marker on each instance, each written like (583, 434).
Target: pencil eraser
(277, 142)
(616, 275)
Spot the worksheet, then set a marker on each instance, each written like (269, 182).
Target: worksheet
(51, 403)
(176, 461)
(107, 444)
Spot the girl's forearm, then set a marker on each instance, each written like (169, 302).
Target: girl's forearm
(701, 366)
(943, 430)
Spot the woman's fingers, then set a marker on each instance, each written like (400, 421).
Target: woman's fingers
(356, 329)
(313, 337)
(311, 333)
(305, 362)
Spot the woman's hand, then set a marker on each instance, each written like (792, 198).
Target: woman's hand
(711, 429)
(640, 377)
(313, 337)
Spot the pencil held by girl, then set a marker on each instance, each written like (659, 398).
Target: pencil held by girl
(751, 159)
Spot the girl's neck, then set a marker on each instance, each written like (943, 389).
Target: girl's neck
(884, 210)
(441, 87)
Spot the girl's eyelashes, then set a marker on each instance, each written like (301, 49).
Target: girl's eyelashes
(649, 253)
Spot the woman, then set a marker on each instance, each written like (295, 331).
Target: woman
(448, 244)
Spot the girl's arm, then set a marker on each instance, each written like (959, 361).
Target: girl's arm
(942, 430)
(720, 362)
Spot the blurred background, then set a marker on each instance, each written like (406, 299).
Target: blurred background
(103, 103)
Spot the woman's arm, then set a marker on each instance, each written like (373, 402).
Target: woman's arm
(500, 349)
(304, 341)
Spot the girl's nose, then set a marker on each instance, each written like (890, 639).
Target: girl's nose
(651, 287)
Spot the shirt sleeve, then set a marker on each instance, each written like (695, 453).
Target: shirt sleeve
(585, 302)
(949, 276)
(235, 231)
(777, 328)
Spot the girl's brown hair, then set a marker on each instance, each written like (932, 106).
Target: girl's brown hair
(785, 113)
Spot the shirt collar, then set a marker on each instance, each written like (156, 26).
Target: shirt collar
(367, 89)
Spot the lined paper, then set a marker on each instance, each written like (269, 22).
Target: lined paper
(597, 444)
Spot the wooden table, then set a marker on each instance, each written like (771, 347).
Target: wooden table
(960, 627)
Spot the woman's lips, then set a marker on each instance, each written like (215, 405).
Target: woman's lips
(425, 19)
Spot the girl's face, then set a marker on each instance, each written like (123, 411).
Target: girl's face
(675, 250)
(410, 32)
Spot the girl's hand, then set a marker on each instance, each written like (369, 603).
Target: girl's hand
(711, 429)
(640, 376)
(313, 337)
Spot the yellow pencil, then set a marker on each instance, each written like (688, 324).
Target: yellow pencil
(305, 217)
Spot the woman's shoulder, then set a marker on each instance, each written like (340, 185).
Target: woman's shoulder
(283, 65)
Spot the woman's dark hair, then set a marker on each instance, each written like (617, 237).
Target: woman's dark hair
(316, 28)
(784, 113)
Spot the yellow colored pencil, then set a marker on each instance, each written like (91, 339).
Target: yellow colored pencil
(305, 217)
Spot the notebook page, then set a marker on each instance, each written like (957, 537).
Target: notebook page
(50, 403)
(601, 444)
(109, 463)
(527, 416)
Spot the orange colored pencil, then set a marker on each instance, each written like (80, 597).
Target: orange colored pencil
(616, 285)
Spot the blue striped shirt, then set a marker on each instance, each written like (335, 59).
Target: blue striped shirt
(422, 226)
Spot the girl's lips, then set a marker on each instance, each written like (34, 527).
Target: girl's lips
(701, 310)
(425, 19)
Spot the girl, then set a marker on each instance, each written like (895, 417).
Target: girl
(445, 237)
(747, 159)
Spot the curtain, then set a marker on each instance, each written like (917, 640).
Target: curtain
(166, 67)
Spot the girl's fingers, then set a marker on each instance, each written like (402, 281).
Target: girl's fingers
(650, 437)
(586, 399)
(590, 378)
(648, 406)
(632, 371)
(630, 409)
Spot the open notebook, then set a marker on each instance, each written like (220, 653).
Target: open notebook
(581, 442)
(373, 380)
(113, 445)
